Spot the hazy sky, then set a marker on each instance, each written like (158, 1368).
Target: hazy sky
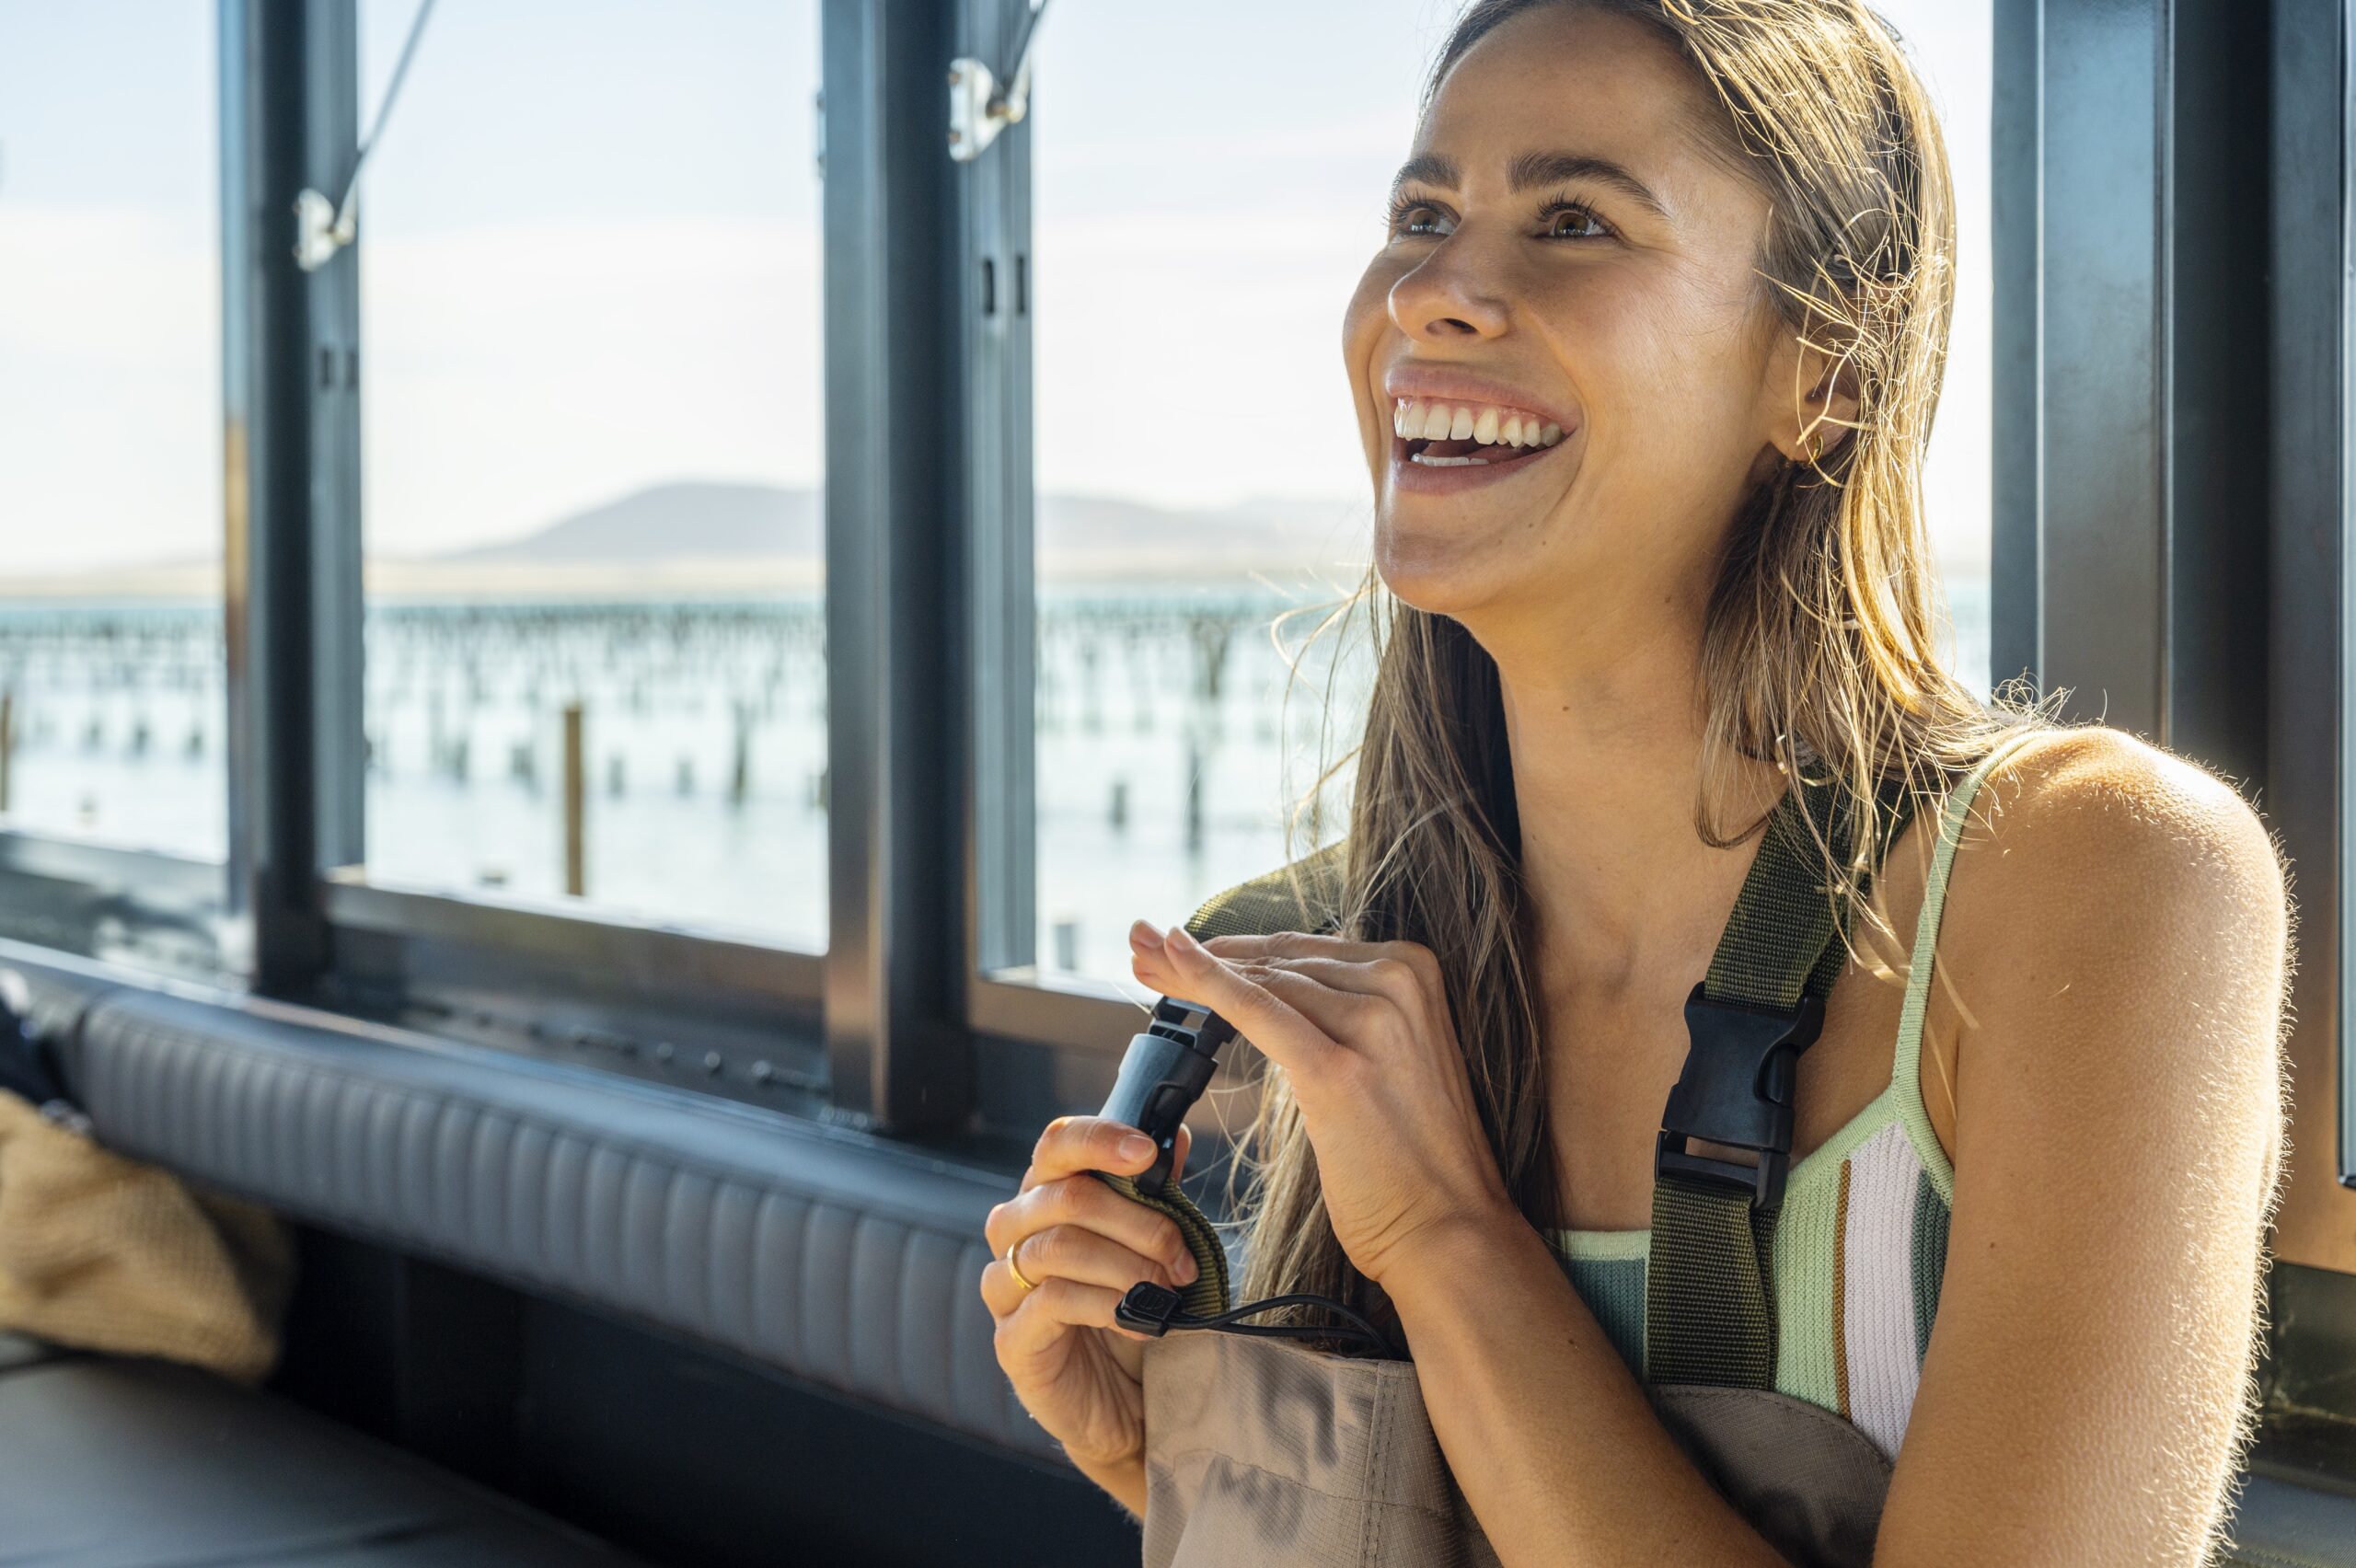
(590, 256)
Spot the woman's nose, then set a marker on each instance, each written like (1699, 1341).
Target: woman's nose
(1449, 295)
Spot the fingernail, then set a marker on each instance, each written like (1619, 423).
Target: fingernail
(1136, 1145)
(1183, 940)
(1184, 1271)
(1143, 934)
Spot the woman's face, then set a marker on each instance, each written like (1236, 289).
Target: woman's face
(1566, 250)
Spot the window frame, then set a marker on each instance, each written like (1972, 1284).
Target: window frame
(704, 1009)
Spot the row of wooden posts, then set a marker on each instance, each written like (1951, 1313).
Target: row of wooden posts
(576, 794)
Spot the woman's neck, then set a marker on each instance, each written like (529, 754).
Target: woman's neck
(1607, 763)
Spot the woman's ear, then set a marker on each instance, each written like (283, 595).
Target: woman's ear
(1813, 400)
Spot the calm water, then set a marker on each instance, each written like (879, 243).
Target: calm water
(1166, 752)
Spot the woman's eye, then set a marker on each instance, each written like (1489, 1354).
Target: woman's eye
(1561, 220)
(1570, 221)
(1415, 218)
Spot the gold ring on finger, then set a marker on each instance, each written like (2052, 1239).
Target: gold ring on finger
(1025, 1281)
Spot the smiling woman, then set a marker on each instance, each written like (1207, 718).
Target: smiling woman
(1644, 372)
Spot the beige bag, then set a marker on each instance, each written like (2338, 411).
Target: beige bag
(104, 1254)
(1262, 1450)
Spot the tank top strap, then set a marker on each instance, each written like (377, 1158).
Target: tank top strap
(1906, 1070)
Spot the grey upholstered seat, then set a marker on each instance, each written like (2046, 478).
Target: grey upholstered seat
(107, 1463)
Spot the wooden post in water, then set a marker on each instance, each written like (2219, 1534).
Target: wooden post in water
(1194, 797)
(576, 802)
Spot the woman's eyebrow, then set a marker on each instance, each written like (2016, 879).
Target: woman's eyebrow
(1534, 170)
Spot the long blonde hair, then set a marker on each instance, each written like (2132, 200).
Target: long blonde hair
(1818, 647)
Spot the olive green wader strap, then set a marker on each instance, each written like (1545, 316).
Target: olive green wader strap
(1710, 1275)
(1261, 907)
(1207, 1297)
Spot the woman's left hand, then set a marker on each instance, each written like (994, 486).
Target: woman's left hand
(1363, 1032)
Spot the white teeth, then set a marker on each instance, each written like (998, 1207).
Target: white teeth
(1414, 420)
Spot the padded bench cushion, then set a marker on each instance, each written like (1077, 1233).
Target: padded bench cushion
(138, 1464)
(835, 1257)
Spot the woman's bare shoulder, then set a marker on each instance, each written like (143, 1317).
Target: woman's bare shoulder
(2114, 907)
(2092, 838)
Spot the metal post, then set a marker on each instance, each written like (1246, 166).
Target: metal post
(7, 743)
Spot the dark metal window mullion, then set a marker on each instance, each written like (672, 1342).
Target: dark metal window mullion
(336, 605)
(1078, 1025)
(2017, 157)
(994, 299)
(896, 724)
(2131, 393)
(290, 415)
(2315, 567)
(2080, 580)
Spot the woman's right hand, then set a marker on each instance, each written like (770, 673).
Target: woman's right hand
(1083, 1246)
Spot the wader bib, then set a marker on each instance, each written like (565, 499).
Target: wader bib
(1259, 1449)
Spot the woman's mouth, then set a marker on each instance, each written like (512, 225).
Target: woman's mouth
(1468, 442)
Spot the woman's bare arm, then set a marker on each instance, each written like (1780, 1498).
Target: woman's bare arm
(1123, 1482)
(1557, 1448)
(2120, 941)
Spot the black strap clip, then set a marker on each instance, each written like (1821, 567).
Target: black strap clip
(1737, 1089)
(1150, 1309)
(1156, 1311)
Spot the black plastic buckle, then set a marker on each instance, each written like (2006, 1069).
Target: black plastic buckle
(1737, 1089)
(1148, 1307)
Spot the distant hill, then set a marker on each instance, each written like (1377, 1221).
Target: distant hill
(705, 521)
(725, 538)
(697, 519)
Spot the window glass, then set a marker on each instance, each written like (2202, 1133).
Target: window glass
(593, 437)
(1202, 215)
(111, 652)
(1953, 46)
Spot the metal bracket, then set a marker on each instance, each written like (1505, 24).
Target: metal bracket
(979, 105)
(320, 231)
(322, 226)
